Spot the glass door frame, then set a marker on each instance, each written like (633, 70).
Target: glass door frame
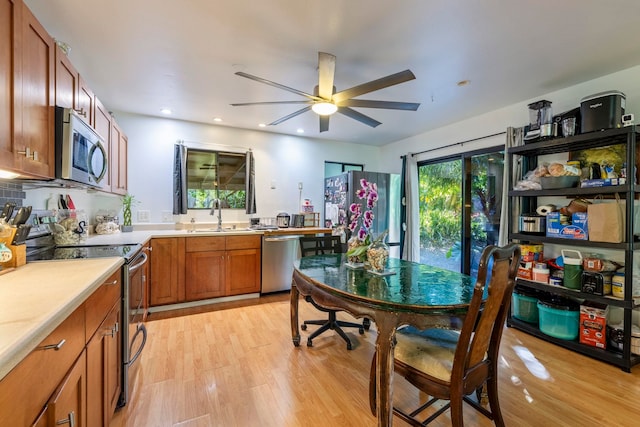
(466, 191)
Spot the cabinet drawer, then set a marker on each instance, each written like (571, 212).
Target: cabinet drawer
(243, 242)
(199, 244)
(101, 301)
(26, 389)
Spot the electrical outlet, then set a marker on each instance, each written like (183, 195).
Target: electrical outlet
(167, 216)
(143, 215)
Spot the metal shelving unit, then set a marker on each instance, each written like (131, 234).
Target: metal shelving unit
(629, 191)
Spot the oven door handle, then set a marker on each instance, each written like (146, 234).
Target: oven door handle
(141, 329)
(143, 257)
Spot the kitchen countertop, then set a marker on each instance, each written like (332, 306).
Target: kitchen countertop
(141, 236)
(34, 302)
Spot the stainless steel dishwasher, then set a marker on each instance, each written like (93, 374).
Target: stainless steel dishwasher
(278, 256)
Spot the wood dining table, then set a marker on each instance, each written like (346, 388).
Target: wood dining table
(407, 293)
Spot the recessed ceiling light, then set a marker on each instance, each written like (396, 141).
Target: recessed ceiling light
(262, 125)
(300, 131)
(217, 119)
(166, 111)
(463, 82)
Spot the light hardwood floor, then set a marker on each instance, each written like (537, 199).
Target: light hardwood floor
(236, 366)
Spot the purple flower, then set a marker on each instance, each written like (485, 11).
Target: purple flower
(362, 234)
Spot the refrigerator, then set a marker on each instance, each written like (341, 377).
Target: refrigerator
(340, 193)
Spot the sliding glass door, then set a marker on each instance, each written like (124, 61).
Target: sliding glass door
(459, 202)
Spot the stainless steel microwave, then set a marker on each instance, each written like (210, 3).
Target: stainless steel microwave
(80, 152)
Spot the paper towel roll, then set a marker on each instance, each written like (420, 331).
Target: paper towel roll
(545, 209)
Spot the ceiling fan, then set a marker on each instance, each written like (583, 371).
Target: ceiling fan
(326, 101)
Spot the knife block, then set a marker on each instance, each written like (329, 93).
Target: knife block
(18, 252)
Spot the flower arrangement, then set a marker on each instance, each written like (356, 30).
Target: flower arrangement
(361, 239)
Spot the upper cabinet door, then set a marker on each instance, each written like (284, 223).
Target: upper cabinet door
(8, 25)
(37, 76)
(86, 102)
(102, 125)
(66, 81)
(118, 159)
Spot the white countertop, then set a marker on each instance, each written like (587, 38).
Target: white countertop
(37, 297)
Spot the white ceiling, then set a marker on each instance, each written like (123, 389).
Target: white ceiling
(143, 55)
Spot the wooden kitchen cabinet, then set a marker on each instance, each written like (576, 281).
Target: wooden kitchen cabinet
(102, 125)
(27, 76)
(67, 81)
(37, 79)
(68, 406)
(76, 369)
(104, 369)
(104, 350)
(118, 159)
(211, 267)
(167, 269)
(243, 264)
(86, 102)
(9, 20)
(205, 268)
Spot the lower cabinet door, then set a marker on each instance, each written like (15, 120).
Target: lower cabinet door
(243, 271)
(68, 405)
(204, 275)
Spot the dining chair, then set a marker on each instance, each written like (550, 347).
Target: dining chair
(318, 245)
(453, 365)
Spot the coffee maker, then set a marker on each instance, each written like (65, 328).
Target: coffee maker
(541, 121)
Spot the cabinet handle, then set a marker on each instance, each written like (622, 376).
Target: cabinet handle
(71, 420)
(113, 330)
(29, 154)
(81, 112)
(55, 347)
(115, 282)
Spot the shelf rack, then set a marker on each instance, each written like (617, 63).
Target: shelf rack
(529, 152)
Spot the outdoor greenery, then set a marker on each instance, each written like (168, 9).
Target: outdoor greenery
(441, 200)
(203, 199)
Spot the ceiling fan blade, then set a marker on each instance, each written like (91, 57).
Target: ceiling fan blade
(242, 104)
(324, 123)
(358, 116)
(278, 85)
(290, 116)
(326, 73)
(381, 83)
(365, 103)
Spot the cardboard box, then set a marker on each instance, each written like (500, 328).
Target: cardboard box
(577, 230)
(604, 182)
(593, 324)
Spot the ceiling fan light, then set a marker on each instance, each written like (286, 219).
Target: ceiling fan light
(324, 108)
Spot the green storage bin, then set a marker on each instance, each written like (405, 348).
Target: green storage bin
(559, 319)
(524, 307)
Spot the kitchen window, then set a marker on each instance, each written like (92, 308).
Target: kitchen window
(215, 175)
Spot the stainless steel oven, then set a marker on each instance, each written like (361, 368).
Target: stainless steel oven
(134, 311)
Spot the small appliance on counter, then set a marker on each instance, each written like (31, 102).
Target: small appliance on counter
(297, 220)
(602, 110)
(567, 123)
(282, 220)
(541, 121)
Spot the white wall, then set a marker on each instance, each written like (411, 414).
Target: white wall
(626, 81)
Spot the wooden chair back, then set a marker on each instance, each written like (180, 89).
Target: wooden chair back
(319, 245)
(482, 328)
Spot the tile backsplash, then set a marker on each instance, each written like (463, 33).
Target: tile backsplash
(11, 191)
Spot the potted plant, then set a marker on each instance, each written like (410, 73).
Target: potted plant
(127, 201)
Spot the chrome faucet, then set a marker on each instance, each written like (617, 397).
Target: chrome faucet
(216, 202)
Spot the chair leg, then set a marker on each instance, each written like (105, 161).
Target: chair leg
(456, 410)
(331, 323)
(494, 404)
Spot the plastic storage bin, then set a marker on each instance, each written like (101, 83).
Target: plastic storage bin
(559, 318)
(524, 306)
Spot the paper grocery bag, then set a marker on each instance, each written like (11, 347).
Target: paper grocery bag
(605, 221)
